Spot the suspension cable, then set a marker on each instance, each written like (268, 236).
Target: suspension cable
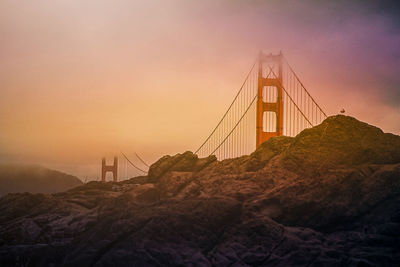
(235, 125)
(293, 102)
(141, 160)
(132, 163)
(297, 78)
(228, 108)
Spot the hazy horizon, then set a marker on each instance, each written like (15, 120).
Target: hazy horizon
(83, 80)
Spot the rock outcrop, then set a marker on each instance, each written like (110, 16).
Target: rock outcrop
(329, 196)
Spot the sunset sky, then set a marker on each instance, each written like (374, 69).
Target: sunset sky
(83, 79)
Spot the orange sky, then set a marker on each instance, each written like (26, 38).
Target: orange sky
(83, 79)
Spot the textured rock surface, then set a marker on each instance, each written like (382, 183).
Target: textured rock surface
(328, 197)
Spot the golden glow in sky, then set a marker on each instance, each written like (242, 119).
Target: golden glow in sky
(83, 79)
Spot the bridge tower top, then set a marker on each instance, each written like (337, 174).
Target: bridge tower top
(269, 111)
(109, 168)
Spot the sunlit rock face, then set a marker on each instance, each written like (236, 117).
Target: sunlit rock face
(186, 162)
(342, 141)
(327, 197)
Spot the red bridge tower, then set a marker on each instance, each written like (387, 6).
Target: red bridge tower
(109, 168)
(269, 98)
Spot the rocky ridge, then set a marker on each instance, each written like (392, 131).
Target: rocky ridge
(329, 196)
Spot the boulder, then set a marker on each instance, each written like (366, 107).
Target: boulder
(186, 162)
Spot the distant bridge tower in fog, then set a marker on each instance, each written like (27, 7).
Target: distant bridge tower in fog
(109, 168)
(272, 101)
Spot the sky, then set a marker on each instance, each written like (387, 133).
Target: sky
(80, 80)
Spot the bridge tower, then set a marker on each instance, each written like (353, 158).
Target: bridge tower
(269, 114)
(109, 168)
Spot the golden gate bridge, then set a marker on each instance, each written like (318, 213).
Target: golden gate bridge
(272, 101)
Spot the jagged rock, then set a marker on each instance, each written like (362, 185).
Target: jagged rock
(328, 197)
(16, 205)
(259, 158)
(136, 180)
(146, 193)
(186, 162)
(204, 162)
(170, 183)
(341, 140)
(179, 162)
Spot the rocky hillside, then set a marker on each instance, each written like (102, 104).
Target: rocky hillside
(34, 179)
(328, 197)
